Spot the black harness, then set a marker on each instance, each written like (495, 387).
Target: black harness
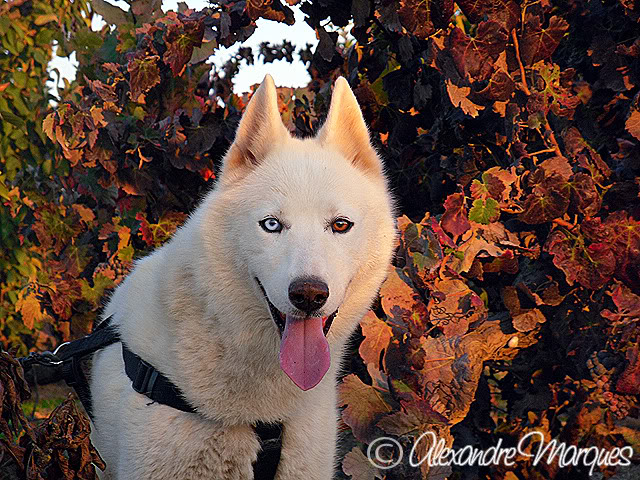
(145, 379)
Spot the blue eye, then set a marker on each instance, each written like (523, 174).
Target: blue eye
(271, 225)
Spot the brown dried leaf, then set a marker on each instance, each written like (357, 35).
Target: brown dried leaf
(364, 406)
(269, 9)
(528, 320)
(400, 301)
(377, 335)
(359, 467)
(416, 416)
(453, 306)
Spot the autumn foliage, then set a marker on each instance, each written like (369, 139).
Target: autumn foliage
(510, 129)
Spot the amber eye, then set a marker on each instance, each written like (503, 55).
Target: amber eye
(341, 225)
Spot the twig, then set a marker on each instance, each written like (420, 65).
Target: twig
(552, 137)
(546, 150)
(564, 223)
(523, 78)
(36, 400)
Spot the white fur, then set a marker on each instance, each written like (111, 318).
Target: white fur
(193, 310)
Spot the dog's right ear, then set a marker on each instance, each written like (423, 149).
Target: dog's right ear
(260, 129)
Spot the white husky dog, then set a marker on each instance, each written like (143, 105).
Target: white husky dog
(247, 309)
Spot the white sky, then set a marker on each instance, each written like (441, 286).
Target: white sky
(284, 74)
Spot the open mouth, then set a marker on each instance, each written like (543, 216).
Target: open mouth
(280, 318)
(304, 350)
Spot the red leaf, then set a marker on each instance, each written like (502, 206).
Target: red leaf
(584, 194)
(474, 56)
(455, 218)
(629, 381)
(155, 234)
(539, 43)
(590, 266)
(181, 38)
(421, 17)
(504, 12)
(627, 302)
(143, 74)
(548, 199)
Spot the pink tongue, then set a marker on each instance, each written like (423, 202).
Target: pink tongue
(304, 351)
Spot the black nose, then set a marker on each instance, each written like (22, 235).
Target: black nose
(308, 294)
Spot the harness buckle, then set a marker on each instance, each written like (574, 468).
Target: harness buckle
(146, 377)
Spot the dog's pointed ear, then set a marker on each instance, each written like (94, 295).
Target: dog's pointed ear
(345, 129)
(260, 129)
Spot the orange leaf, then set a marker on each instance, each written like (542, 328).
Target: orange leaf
(29, 307)
(86, 214)
(377, 336)
(47, 125)
(632, 125)
(458, 96)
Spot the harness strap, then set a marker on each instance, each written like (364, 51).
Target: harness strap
(145, 379)
(270, 435)
(148, 381)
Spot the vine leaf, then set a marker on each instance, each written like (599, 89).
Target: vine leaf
(181, 38)
(539, 43)
(484, 211)
(459, 97)
(633, 124)
(143, 74)
(591, 266)
(416, 416)
(359, 467)
(377, 336)
(364, 405)
(629, 381)
(455, 218)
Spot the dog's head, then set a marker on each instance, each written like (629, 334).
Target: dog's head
(312, 220)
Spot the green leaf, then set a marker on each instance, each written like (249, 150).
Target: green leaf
(484, 211)
(11, 118)
(94, 294)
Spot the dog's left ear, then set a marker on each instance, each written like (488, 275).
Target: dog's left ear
(345, 129)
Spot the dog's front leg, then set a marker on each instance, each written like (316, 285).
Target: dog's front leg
(309, 442)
